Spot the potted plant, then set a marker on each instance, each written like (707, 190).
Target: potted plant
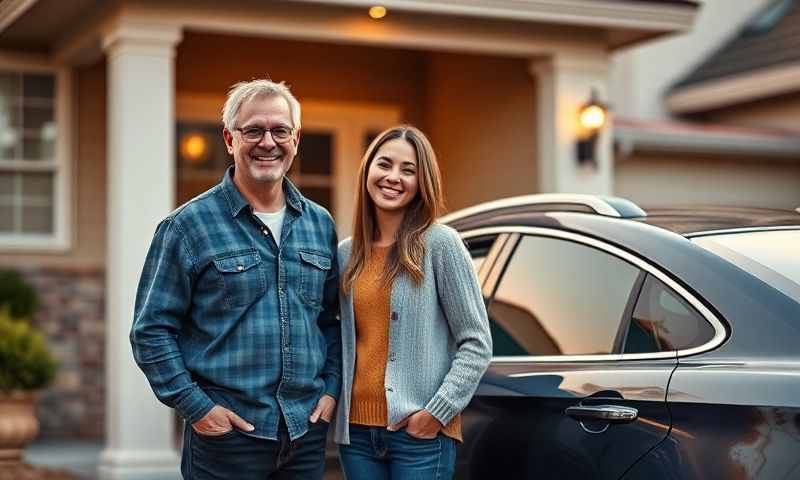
(17, 294)
(26, 366)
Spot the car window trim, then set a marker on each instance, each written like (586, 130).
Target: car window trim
(491, 255)
(729, 231)
(720, 330)
(627, 315)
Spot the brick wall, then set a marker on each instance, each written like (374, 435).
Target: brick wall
(72, 318)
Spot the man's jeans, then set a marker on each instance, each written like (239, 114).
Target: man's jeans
(234, 455)
(375, 453)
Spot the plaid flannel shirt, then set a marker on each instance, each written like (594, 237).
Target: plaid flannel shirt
(225, 316)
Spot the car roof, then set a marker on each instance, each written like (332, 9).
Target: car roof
(689, 220)
(533, 210)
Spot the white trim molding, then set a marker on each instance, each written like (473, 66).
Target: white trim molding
(735, 90)
(596, 13)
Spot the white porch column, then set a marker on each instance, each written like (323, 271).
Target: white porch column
(141, 184)
(564, 82)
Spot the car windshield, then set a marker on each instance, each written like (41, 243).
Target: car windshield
(773, 256)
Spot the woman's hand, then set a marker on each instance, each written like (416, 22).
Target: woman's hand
(419, 424)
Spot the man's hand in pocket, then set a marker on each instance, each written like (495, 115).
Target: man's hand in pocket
(218, 421)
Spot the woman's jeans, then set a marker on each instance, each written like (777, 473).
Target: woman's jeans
(375, 453)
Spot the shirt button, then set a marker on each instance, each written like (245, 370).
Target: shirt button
(394, 316)
(265, 232)
(392, 357)
(240, 267)
(389, 389)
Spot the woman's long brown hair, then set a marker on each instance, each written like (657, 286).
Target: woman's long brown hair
(409, 247)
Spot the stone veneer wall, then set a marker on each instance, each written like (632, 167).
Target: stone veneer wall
(72, 317)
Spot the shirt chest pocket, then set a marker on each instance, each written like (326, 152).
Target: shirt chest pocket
(314, 267)
(242, 278)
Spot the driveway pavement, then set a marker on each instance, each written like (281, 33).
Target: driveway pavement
(80, 458)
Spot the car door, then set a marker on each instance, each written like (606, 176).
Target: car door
(560, 400)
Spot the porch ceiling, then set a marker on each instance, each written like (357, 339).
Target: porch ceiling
(657, 15)
(35, 26)
(61, 29)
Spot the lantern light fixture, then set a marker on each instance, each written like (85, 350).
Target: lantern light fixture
(592, 117)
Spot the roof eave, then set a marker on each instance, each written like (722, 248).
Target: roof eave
(662, 17)
(734, 90)
(631, 140)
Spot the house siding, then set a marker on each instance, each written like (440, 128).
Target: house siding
(780, 112)
(482, 117)
(672, 180)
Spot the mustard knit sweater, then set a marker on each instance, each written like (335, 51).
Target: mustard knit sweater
(371, 308)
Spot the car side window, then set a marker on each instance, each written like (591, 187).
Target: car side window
(479, 249)
(559, 297)
(662, 321)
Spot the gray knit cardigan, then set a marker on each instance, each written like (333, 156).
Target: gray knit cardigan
(439, 340)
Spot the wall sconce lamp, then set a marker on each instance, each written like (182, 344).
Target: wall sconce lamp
(194, 149)
(592, 117)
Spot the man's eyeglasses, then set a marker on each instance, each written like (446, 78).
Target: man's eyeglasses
(280, 134)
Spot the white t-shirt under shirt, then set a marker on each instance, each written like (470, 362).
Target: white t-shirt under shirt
(273, 221)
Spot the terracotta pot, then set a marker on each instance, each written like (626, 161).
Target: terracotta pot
(18, 424)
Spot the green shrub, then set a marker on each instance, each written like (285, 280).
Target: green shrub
(17, 294)
(25, 361)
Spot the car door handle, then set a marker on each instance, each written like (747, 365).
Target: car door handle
(608, 413)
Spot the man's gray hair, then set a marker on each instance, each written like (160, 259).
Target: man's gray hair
(244, 91)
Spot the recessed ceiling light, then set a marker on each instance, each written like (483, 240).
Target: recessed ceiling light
(377, 12)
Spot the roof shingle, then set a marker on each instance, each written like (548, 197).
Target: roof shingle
(770, 38)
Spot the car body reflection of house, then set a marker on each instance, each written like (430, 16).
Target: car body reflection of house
(109, 119)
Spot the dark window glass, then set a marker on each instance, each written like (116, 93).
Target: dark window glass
(663, 321)
(6, 218)
(320, 195)
(8, 152)
(558, 297)
(9, 118)
(36, 118)
(369, 137)
(37, 219)
(478, 249)
(315, 153)
(38, 86)
(38, 148)
(9, 85)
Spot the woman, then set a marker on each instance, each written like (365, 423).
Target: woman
(414, 329)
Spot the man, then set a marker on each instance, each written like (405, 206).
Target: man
(235, 324)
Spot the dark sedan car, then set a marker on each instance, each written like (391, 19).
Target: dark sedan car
(658, 345)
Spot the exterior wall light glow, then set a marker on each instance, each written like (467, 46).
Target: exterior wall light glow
(194, 148)
(592, 118)
(377, 12)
